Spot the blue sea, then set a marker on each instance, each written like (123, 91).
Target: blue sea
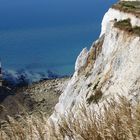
(41, 35)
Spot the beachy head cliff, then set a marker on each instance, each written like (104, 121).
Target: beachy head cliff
(111, 68)
(101, 101)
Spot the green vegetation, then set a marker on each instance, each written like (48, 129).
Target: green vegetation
(89, 85)
(95, 98)
(129, 7)
(136, 30)
(126, 25)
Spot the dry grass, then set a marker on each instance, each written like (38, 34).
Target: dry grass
(118, 121)
(29, 128)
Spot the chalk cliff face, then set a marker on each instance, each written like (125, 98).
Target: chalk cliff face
(110, 68)
(118, 15)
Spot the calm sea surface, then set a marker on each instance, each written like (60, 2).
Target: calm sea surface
(41, 35)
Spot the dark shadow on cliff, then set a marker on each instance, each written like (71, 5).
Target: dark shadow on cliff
(4, 93)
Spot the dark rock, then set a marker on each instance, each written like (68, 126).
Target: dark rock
(4, 92)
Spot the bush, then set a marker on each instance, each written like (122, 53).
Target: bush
(96, 97)
(136, 30)
(126, 25)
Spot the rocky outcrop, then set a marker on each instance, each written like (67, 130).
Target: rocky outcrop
(110, 68)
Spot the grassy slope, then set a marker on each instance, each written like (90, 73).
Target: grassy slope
(120, 121)
(129, 7)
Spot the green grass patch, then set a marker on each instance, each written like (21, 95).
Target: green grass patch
(96, 97)
(129, 7)
(126, 25)
(136, 30)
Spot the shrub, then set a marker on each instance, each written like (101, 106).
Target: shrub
(96, 97)
(126, 25)
(136, 30)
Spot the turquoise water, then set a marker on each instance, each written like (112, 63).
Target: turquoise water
(41, 35)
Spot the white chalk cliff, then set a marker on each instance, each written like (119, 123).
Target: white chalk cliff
(109, 68)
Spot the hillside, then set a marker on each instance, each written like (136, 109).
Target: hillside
(38, 97)
(109, 70)
(101, 100)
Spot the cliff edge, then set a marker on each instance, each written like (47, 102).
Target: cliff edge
(110, 69)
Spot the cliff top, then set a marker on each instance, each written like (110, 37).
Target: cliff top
(128, 7)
